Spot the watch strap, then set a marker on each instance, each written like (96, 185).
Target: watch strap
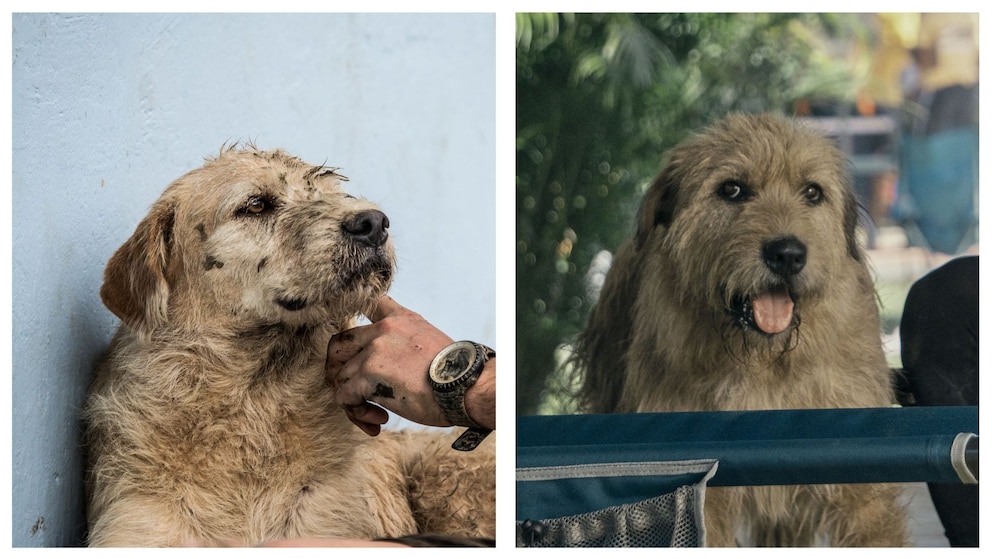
(452, 401)
(453, 405)
(471, 438)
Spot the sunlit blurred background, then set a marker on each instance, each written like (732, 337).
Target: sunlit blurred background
(601, 98)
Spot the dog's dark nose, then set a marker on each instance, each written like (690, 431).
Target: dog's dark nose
(368, 227)
(786, 256)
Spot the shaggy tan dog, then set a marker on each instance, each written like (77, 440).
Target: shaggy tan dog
(209, 420)
(745, 288)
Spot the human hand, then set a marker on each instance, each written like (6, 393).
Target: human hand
(386, 362)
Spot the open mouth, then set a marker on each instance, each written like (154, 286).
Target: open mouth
(770, 312)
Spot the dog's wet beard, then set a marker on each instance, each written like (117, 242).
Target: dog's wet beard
(368, 277)
(741, 312)
(376, 270)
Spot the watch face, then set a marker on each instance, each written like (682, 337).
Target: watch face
(453, 364)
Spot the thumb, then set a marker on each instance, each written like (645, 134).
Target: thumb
(386, 306)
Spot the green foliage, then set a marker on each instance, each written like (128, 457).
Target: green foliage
(599, 98)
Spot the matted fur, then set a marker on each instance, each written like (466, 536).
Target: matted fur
(669, 332)
(209, 420)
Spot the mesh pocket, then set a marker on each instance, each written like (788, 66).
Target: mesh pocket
(670, 520)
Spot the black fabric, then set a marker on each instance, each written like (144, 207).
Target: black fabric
(939, 335)
(440, 540)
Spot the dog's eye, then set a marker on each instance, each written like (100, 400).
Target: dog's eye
(813, 194)
(733, 191)
(256, 205)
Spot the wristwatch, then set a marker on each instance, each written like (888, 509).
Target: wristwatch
(454, 370)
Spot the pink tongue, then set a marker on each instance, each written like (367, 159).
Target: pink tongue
(773, 311)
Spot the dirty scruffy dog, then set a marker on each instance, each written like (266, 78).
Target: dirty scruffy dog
(744, 288)
(210, 420)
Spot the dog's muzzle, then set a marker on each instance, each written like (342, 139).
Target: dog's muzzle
(773, 311)
(368, 232)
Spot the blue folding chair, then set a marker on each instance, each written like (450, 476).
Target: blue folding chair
(640, 479)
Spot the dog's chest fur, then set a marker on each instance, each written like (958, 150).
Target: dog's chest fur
(247, 441)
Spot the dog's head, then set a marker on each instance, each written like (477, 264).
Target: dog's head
(752, 213)
(252, 238)
(749, 227)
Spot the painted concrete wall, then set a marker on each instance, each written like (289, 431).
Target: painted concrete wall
(108, 109)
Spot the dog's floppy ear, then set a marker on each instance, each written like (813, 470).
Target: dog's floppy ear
(601, 352)
(135, 286)
(658, 205)
(852, 217)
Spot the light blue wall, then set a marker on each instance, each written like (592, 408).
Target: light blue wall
(108, 109)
